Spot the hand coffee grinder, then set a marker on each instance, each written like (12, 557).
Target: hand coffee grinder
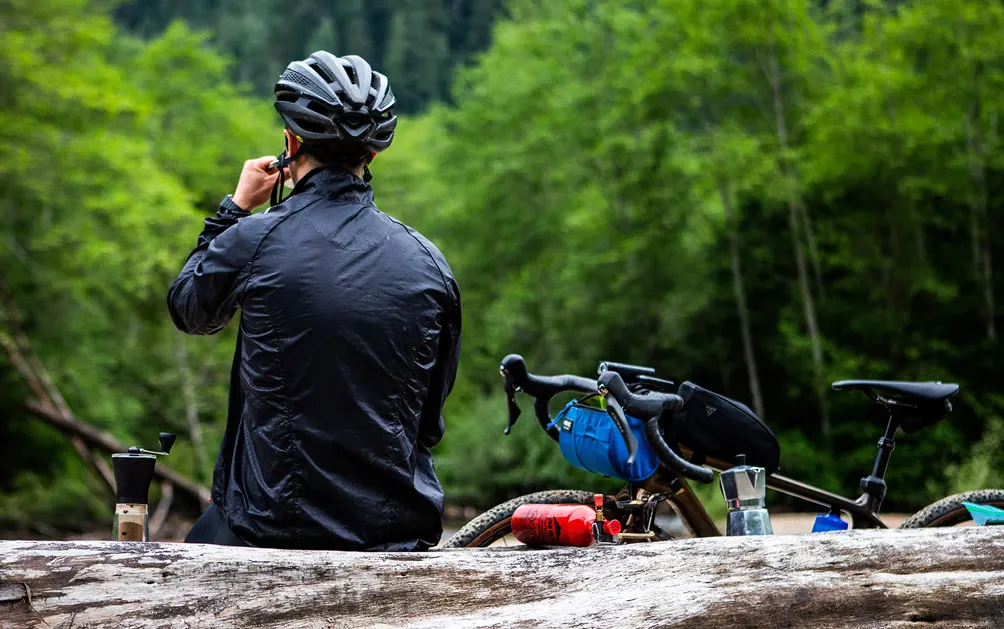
(133, 475)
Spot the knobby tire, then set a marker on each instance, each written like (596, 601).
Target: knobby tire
(496, 523)
(950, 511)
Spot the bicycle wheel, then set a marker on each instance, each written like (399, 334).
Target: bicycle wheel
(494, 524)
(950, 511)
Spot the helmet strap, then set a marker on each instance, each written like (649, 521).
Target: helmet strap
(280, 181)
(367, 176)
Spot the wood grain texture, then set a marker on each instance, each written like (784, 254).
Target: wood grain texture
(921, 578)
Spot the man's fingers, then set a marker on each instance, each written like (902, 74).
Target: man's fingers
(262, 163)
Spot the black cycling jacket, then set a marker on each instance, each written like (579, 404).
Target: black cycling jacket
(348, 346)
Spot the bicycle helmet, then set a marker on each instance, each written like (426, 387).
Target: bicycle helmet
(326, 99)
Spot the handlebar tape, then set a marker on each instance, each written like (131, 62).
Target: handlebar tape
(541, 388)
(650, 408)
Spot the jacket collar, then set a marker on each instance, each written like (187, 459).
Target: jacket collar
(335, 183)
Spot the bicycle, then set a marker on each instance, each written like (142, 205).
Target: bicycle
(637, 401)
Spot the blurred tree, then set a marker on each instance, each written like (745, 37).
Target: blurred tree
(113, 149)
(668, 183)
(324, 38)
(416, 43)
(619, 176)
(416, 52)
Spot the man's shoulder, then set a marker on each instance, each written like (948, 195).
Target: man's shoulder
(421, 245)
(259, 225)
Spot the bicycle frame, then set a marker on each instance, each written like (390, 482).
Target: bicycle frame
(863, 511)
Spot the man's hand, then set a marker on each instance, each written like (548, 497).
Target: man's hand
(255, 185)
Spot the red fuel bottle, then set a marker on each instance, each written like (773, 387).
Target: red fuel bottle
(558, 525)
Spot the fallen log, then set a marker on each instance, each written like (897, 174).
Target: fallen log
(930, 578)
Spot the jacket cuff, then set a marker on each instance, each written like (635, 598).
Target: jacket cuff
(225, 218)
(229, 209)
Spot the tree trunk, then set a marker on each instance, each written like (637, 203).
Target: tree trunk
(15, 342)
(794, 224)
(810, 238)
(202, 467)
(978, 216)
(939, 578)
(732, 225)
(911, 210)
(163, 509)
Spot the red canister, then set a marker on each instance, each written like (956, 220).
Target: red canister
(554, 525)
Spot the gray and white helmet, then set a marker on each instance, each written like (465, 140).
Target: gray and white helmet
(329, 98)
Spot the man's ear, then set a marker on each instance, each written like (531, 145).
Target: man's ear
(292, 142)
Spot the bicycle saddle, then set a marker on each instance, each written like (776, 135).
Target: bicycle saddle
(911, 393)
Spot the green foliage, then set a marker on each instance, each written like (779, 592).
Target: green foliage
(112, 149)
(588, 182)
(417, 43)
(579, 189)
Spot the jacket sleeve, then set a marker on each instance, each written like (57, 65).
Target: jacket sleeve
(205, 296)
(444, 374)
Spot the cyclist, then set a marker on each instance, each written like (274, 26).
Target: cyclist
(348, 340)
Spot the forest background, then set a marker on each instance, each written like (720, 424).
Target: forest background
(761, 196)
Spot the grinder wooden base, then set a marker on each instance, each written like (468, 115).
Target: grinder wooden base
(131, 522)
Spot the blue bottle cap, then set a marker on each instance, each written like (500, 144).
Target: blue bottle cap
(828, 522)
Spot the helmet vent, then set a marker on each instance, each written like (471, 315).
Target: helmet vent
(321, 70)
(310, 126)
(296, 77)
(319, 107)
(355, 121)
(388, 98)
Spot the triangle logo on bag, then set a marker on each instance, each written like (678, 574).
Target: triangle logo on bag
(710, 410)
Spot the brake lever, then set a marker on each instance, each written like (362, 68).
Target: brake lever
(510, 399)
(617, 414)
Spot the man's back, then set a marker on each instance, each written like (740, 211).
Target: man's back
(348, 347)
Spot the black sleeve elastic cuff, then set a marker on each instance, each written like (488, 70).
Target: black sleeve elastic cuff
(229, 209)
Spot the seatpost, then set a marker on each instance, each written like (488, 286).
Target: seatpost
(874, 485)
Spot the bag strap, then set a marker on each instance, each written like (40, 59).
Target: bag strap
(561, 415)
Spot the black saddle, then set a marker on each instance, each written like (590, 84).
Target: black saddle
(918, 404)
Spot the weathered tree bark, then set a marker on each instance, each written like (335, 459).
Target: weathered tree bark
(732, 226)
(94, 438)
(937, 578)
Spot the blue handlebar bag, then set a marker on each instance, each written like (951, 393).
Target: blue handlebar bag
(590, 441)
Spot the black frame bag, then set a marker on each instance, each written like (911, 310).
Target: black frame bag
(713, 425)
